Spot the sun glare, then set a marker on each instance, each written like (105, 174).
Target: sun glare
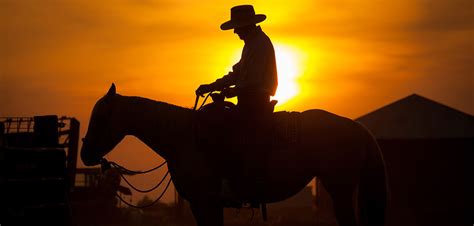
(288, 67)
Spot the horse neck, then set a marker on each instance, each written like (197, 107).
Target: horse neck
(161, 126)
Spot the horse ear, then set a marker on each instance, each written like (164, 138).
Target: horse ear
(112, 90)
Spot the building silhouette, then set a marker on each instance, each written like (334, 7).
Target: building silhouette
(428, 149)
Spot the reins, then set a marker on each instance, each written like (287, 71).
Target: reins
(203, 102)
(148, 205)
(122, 170)
(135, 172)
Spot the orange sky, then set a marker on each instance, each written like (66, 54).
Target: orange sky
(349, 56)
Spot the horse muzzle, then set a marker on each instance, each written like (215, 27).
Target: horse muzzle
(88, 157)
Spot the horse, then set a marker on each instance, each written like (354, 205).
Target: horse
(340, 152)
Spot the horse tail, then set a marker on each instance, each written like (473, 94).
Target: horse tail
(373, 188)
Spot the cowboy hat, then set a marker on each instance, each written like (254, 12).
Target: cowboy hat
(241, 16)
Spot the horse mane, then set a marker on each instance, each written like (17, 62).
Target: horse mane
(173, 115)
(145, 105)
(161, 104)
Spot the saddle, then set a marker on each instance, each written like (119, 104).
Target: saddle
(220, 125)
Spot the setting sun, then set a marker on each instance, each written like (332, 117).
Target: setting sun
(289, 69)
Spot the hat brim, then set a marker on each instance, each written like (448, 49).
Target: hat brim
(236, 24)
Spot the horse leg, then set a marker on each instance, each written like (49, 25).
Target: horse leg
(207, 213)
(344, 207)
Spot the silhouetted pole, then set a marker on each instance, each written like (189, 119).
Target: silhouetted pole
(72, 151)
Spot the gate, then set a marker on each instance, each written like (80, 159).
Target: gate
(38, 162)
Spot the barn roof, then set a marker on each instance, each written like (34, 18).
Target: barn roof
(418, 117)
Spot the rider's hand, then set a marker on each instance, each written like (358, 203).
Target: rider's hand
(206, 88)
(229, 92)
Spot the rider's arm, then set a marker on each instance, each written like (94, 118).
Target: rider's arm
(229, 79)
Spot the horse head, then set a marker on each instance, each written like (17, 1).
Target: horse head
(103, 133)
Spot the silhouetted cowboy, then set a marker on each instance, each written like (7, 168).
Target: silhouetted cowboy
(255, 75)
(255, 80)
